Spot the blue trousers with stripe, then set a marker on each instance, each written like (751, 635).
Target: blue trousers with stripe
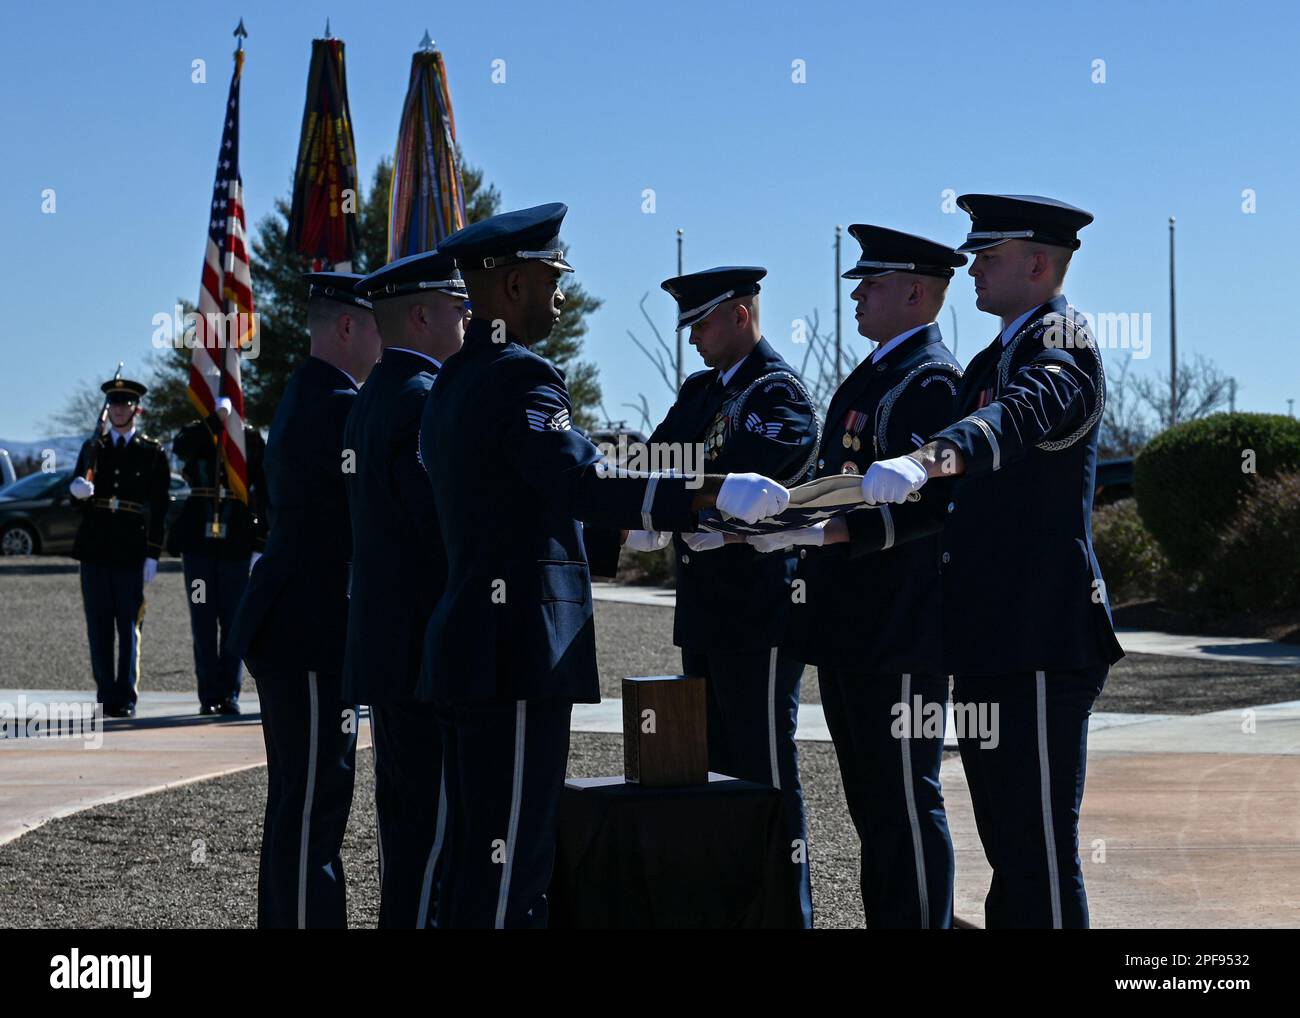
(410, 812)
(753, 710)
(311, 745)
(113, 597)
(219, 672)
(503, 770)
(890, 770)
(1026, 786)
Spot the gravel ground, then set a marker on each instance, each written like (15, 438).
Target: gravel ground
(187, 858)
(43, 646)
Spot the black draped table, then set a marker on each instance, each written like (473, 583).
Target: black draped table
(708, 856)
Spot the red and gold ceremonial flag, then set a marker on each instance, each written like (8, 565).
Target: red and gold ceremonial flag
(323, 220)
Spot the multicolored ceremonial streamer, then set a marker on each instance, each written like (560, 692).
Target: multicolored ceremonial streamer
(427, 200)
(323, 220)
(226, 323)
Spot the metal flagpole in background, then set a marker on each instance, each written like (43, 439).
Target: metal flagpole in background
(953, 311)
(679, 331)
(1173, 335)
(839, 234)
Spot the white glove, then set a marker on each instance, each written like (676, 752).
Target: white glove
(814, 535)
(81, 488)
(892, 480)
(751, 497)
(704, 540)
(150, 569)
(253, 560)
(647, 540)
(225, 406)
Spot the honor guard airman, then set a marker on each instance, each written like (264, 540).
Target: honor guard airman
(1026, 625)
(511, 643)
(398, 571)
(749, 410)
(218, 536)
(291, 628)
(868, 616)
(123, 482)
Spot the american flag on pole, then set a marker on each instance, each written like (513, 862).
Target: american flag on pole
(225, 322)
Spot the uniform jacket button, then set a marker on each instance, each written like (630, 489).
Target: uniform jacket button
(946, 558)
(821, 464)
(803, 552)
(952, 506)
(686, 559)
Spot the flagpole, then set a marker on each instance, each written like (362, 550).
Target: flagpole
(839, 231)
(1173, 335)
(680, 231)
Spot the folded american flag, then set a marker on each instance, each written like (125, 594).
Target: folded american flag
(810, 503)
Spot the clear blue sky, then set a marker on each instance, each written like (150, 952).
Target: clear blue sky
(696, 101)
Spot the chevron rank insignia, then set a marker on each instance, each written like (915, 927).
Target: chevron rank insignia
(757, 425)
(541, 420)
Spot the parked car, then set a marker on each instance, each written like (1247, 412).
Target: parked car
(38, 516)
(1114, 481)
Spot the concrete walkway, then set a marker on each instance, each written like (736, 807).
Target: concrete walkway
(167, 744)
(1135, 641)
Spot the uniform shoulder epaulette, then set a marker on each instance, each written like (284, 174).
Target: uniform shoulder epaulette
(147, 440)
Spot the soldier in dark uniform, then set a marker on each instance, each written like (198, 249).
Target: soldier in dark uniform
(218, 537)
(291, 626)
(868, 613)
(123, 480)
(1026, 624)
(748, 410)
(398, 571)
(511, 643)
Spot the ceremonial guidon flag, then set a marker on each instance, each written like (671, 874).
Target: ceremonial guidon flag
(323, 220)
(225, 298)
(427, 200)
(810, 503)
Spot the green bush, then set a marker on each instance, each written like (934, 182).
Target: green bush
(1189, 480)
(1130, 559)
(1256, 566)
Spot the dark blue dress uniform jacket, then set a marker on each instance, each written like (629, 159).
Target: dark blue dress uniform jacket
(294, 614)
(881, 614)
(136, 474)
(735, 598)
(398, 564)
(1022, 590)
(195, 446)
(511, 478)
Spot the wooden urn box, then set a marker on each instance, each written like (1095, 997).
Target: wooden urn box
(665, 738)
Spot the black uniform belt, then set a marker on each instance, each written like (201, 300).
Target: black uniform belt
(117, 505)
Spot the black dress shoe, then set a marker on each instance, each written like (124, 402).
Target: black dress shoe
(119, 711)
(208, 709)
(230, 707)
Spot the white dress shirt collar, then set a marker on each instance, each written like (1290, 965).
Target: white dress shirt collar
(123, 437)
(406, 349)
(1010, 331)
(726, 376)
(884, 348)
